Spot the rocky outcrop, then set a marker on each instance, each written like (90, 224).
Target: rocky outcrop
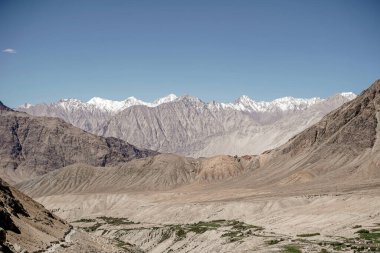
(352, 125)
(341, 149)
(25, 222)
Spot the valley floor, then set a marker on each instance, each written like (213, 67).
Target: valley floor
(239, 220)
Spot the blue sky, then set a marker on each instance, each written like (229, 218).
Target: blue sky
(211, 49)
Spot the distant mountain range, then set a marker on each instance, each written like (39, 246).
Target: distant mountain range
(78, 173)
(342, 149)
(243, 103)
(188, 126)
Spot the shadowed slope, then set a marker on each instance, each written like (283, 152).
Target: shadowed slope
(343, 148)
(27, 223)
(33, 146)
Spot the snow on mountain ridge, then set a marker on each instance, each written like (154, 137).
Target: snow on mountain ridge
(349, 95)
(115, 106)
(243, 103)
(169, 98)
(25, 105)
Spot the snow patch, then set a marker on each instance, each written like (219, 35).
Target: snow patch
(348, 95)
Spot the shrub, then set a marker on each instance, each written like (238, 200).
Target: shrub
(272, 242)
(362, 231)
(291, 249)
(308, 235)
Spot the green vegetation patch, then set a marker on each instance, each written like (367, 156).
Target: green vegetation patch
(116, 221)
(308, 235)
(233, 234)
(240, 230)
(123, 245)
(273, 241)
(238, 225)
(371, 236)
(165, 235)
(92, 228)
(291, 249)
(180, 234)
(362, 231)
(85, 220)
(203, 226)
(235, 230)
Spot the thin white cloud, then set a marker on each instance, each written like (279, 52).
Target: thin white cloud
(9, 51)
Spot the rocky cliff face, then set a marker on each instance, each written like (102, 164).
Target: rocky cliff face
(340, 150)
(32, 146)
(28, 225)
(352, 126)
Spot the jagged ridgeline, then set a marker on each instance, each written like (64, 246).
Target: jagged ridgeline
(340, 150)
(188, 126)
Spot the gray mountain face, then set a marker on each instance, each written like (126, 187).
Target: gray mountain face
(193, 128)
(190, 127)
(88, 118)
(33, 146)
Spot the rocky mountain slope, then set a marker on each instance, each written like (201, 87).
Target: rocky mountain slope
(188, 126)
(313, 193)
(342, 148)
(161, 172)
(88, 115)
(32, 146)
(28, 225)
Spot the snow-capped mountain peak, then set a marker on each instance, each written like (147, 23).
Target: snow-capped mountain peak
(291, 103)
(100, 101)
(131, 101)
(167, 99)
(349, 95)
(108, 105)
(243, 103)
(117, 106)
(25, 106)
(244, 99)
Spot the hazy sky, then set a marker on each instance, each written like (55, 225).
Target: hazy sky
(211, 49)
